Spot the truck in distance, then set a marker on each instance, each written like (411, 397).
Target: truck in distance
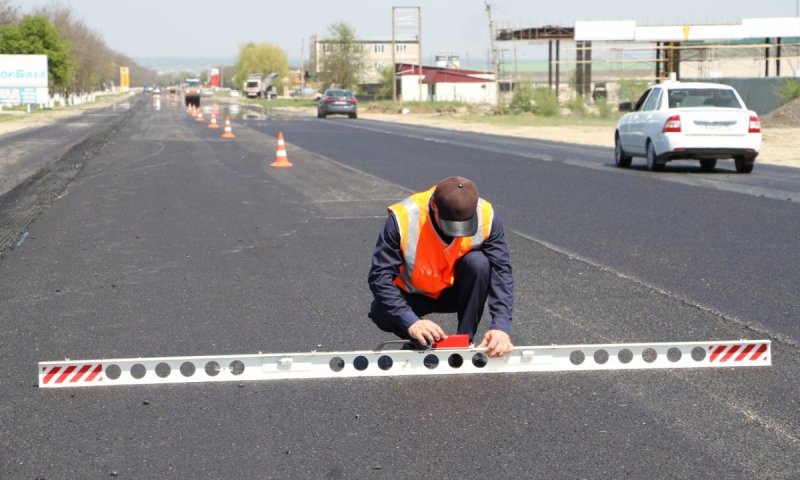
(259, 86)
(192, 90)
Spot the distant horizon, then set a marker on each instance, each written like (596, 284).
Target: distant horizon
(459, 27)
(200, 64)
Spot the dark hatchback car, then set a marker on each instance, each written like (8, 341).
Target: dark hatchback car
(337, 102)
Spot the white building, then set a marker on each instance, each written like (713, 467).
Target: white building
(445, 84)
(377, 55)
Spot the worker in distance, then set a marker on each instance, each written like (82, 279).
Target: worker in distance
(443, 250)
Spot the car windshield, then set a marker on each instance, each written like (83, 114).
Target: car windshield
(702, 97)
(192, 83)
(339, 93)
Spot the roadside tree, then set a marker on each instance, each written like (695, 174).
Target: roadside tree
(90, 54)
(788, 90)
(36, 36)
(263, 58)
(523, 100)
(630, 89)
(385, 87)
(97, 65)
(343, 64)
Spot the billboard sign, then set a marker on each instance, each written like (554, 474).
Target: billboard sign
(215, 79)
(23, 79)
(124, 78)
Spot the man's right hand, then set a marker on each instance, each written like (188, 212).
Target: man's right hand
(426, 332)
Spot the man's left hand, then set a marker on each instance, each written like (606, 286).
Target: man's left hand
(497, 343)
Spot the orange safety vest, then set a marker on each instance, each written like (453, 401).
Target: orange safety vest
(429, 263)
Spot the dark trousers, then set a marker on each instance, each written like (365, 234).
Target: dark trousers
(466, 298)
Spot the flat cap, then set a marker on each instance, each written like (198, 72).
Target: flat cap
(456, 200)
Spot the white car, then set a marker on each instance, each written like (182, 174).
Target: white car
(687, 120)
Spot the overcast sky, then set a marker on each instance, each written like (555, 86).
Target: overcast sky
(205, 28)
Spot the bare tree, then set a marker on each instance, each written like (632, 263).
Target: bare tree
(8, 14)
(98, 65)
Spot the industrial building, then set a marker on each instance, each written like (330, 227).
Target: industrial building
(588, 55)
(607, 52)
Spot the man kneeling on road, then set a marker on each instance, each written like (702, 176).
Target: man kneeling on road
(443, 250)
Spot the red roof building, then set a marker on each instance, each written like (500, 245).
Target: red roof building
(445, 84)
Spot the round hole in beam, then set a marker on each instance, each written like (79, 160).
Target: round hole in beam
(479, 360)
(577, 357)
(236, 367)
(138, 371)
(187, 369)
(674, 354)
(361, 363)
(163, 370)
(600, 356)
(212, 368)
(649, 355)
(431, 361)
(385, 362)
(113, 372)
(455, 360)
(698, 354)
(625, 356)
(336, 364)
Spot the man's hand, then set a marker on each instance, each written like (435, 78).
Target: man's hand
(497, 343)
(425, 331)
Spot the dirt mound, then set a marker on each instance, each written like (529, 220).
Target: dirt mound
(787, 115)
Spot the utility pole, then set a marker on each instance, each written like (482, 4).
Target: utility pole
(493, 52)
(419, 44)
(394, 64)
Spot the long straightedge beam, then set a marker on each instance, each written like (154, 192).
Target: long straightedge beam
(384, 363)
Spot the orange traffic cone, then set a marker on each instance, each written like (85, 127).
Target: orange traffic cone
(228, 133)
(213, 123)
(199, 116)
(281, 160)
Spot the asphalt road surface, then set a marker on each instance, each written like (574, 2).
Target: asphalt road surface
(167, 240)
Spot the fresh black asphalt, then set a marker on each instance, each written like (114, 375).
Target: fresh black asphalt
(172, 241)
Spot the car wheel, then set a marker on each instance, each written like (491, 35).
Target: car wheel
(708, 164)
(652, 162)
(320, 114)
(353, 115)
(622, 160)
(743, 165)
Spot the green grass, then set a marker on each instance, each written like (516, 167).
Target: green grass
(463, 112)
(389, 106)
(537, 121)
(20, 112)
(457, 111)
(15, 108)
(276, 103)
(281, 102)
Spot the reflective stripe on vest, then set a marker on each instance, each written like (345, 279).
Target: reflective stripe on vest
(428, 263)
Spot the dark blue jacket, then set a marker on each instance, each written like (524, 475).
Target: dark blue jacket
(388, 257)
